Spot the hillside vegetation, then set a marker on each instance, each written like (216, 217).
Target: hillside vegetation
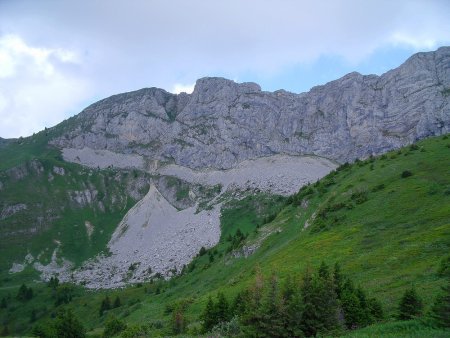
(385, 220)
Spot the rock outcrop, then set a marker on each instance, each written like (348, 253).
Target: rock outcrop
(223, 123)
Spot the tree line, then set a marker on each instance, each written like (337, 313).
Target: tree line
(320, 302)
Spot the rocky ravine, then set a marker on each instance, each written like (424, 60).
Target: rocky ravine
(223, 123)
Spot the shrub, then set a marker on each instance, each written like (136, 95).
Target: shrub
(359, 196)
(113, 326)
(406, 173)
(378, 187)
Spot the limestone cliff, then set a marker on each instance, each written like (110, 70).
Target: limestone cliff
(223, 123)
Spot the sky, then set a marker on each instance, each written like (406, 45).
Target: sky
(57, 57)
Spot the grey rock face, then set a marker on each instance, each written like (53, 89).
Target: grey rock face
(223, 123)
(10, 210)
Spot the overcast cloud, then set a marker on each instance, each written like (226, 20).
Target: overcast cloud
(56, 57)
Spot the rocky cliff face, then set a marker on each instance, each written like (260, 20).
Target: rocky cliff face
(223, 123)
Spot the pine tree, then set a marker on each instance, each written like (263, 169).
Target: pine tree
(68, 326)
(410, 305)
(209, 316)
(53, 283)
(251, 318)
(29, 294)
(293, 308)
(310, 320)
(3, 303)
(105, 305)
(351, 305)
(117, 302)
(239, 303)
(272, 311)
(222, 309)
(338, 280)
(365, 317)
(375, 309)
(327, 301)
(440, 311)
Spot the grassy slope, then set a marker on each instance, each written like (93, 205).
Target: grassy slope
(395, 238)
(46, 195)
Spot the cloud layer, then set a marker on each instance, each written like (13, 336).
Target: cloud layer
(57, 56)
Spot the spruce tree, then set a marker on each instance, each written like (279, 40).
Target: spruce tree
(222, 309)
(251, 318)
(338, 280)
(410, 305)
(440, 311)
(105, 305)
(117, 302)
(21, 294)
(209, 316)
(327, 301)
(375, 309)
(68, 326)
(293, 308)
(365, 317)
(272, 311)
(351, 305)
(310, 319)
(238, 305)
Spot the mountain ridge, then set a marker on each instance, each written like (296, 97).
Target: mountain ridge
(223, 123)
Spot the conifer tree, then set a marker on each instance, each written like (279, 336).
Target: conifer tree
(328, 304)
(105, 305)
(410, 305)
(251, 318)
(239, 303)
(24, 293)
(272, 311)
(222, 309)
(353, 312)
(293, 308)
(440, 311)
(117, 302)
(68, 326)
(338, 280)
(3, 303)
(365, 317)
(375, 309)
(310, 322)
(209, 316)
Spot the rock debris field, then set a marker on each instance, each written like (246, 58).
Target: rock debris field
(154, 237)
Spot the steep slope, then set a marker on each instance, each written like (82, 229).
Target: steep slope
(223, 123)
(387, 229)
